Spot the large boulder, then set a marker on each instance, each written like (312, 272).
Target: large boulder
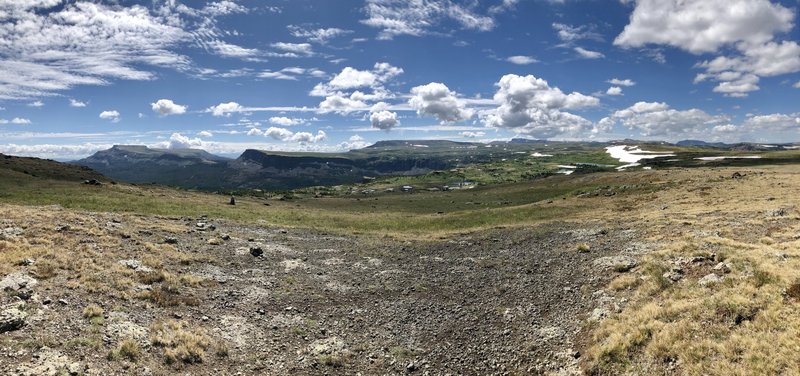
(12, 317)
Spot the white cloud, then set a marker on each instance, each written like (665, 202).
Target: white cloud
(76, 103)
(205, 134)
(401, 17)
(709, 26)
(521, 60)
(618, 82)
(772, 123)
(179, 141)
(52, 46)
(293, 49)
(797, 85)
(321, 35)
(284, 134)
(224, 109)
(435, 99)
(355, 142)
(530, 106)
(166, 107)
(343, 92)
(36, 104)
(587, 54)
(112, 115)
(338, 103)
(308, 137)
(285, 121)
(222, 8)
(704, 25)
(225, 49)
(16, 120)
(469, 134)
(654, 119)
(385, 120)
(569, 34)
(277, 133)
(614, 90)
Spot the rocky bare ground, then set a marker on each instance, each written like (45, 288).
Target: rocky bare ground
(289, 301)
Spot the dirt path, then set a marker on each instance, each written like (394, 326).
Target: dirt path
(506, 301)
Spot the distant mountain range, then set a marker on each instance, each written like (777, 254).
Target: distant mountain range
(198, 169)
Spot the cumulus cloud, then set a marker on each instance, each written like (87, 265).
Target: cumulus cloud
(437, 100)
(16, 120)
(343, 93)
(417, 18)
(614, 90)
(469, 134)
(340, 104)
(112, 115)
(618, 82)
(225, 109)
(283, 134)
(285, 121)
(772, 123)
(166, 107)
(587, 54)
(529, 105)
(179, 141)
(655, 119)
(709, 26)
(702, 26)
(205, 134)
(797, 85)
(384, 120)
(36, 104)
(355, 142)
(76, 103)
(521, 60)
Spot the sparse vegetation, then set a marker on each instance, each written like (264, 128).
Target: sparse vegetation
(181, 345)
(127, 349)
(583, 248)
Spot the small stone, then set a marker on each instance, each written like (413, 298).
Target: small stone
(709, 279)
(12, 317)
(214, 241)
(232, 201)
(226, 237)
(723, 267)
(63, 302)
(170, 240)
(256, 251)
(411, 367)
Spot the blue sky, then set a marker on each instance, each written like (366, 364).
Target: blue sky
(79, 76)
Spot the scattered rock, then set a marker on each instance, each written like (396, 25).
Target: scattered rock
(256, 251)
(16, 281)
(710, 279)
(232, 201)
(599, 314)
(49, 362)
(723, 267)
(779, 212)
(170, 240)
(225, 237)
(214, 241)
(12, 317)
(10, 233)
(136, 265)
(737, 175)
(92, 182)
(674, 275)
(618, 263)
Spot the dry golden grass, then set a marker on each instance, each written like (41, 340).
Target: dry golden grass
(127, 349)
(183, 345)
(750, 322)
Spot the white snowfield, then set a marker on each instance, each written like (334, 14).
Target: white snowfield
(632, 155)
(729, 157)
